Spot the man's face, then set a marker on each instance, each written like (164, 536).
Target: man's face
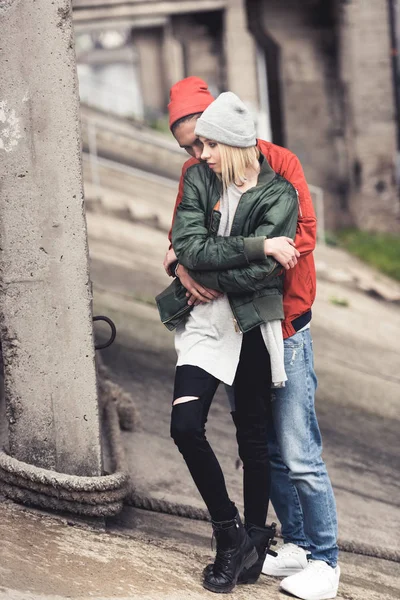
(186, 138)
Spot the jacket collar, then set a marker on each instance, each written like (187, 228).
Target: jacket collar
(266, 172)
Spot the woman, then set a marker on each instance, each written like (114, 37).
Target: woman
(232, 202)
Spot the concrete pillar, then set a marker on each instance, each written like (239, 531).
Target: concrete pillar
(45, 290)
(366, 70)
(240, 54)
(149, 45)
(174, 67)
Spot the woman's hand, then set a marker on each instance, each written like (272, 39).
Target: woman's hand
(196, 293)
(169, 259)
(283, 249)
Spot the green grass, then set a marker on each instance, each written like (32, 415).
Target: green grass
(339, 301)
(381, 250)
(161, 124)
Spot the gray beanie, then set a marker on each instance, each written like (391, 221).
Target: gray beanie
(228, 121)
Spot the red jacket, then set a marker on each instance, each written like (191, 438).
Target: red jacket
(300, 282)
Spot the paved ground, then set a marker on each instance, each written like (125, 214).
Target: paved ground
(43, 558)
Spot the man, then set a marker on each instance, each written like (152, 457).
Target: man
(301, 493)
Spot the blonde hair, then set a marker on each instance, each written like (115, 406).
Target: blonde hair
(234, 162)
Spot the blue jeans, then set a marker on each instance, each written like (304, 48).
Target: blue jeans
(301, 491)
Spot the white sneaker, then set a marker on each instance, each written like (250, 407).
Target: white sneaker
(318, 581)
(289, 560)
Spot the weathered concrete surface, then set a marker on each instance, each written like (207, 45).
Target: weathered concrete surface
(336, 102)
(43, 558)
(46, 328)
(129, 193)
(241, 66)
(132, 144)
(356, 352)
(371, 118)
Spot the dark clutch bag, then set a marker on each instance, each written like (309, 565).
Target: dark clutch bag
(173, 305)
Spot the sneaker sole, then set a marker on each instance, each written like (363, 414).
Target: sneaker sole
(281, 572)
(326, 596)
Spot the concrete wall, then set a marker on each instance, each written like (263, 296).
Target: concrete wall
(337, 103)
(310, 100)
(174, 63)
(200, 37)
(366, 70)
(334, 107)
(46, 319)
(240, 54)
(149, 46)
(124, 142)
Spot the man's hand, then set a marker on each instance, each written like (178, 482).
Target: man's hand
(283, 249)
(169, 259)
(196, 293)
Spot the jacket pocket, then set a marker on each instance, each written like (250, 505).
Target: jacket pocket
(269, 306)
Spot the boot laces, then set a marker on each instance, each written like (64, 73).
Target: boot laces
(222, 560)
(222, 557)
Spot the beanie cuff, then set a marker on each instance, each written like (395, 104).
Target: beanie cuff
(216, 133)
(189, 110)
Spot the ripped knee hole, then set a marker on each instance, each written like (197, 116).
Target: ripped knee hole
(183, 399)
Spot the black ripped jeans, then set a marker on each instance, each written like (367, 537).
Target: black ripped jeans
(252, 397)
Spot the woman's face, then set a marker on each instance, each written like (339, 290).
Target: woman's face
(211, 154)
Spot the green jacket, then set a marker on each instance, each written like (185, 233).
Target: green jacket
(235, 265)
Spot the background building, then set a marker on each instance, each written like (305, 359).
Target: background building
(320, 75)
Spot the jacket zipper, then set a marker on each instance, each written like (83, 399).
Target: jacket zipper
(298, 202)
(235, 321)
(236, 326)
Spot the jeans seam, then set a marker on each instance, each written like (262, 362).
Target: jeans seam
(297, 502)
(316, 471)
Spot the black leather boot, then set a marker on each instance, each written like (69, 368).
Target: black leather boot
(235, 551)
(263, 539)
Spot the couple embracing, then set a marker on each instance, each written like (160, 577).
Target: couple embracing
(243, 234)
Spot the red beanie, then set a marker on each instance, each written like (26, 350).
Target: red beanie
(188, 96)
